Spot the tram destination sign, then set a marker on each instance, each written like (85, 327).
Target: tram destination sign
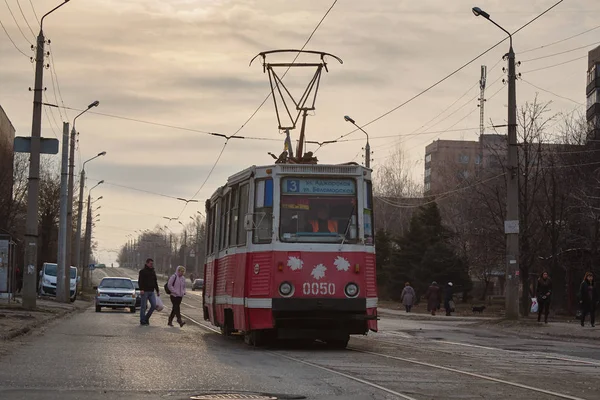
(319, 186)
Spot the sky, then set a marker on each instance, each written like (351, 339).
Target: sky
(185, 64)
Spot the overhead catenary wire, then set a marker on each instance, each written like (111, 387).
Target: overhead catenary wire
(453, 72)
(12, 41)
(25, 18)
(554, 65)
(560, 41)
(552, 93)
(17, 23)
(34, 13)
(287, 70)
(134, 189)
(561, 52)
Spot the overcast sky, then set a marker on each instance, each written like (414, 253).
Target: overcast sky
(185, 63)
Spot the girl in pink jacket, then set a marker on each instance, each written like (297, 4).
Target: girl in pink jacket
(176, 286)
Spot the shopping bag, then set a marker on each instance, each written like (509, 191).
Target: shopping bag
(159, 304)
(534, 305)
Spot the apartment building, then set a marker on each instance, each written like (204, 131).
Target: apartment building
(449, 161)
(7, 137)
(593, 94)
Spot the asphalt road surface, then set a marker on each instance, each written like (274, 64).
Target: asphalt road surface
(109, 355)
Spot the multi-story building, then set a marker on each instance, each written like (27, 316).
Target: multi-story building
(7, 137)
(448, 161)
(593, 94)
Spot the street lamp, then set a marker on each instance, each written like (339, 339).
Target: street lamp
(170, 219)
(99, 198)
(70, 189)
(511, 225)
(367, 146)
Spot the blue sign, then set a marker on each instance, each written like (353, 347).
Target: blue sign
(319, 186)
(92, 267)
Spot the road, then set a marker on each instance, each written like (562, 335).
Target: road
(109, 355)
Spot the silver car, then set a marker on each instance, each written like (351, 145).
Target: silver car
(115, 293)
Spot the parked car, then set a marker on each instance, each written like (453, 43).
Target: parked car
(115, 293)
(47, 285)
(138, 296)
(198, 284)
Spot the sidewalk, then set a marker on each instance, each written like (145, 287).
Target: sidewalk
(16, 321)
(528, 326)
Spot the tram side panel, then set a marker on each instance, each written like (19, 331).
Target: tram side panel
(259, 272)
(371, 289)
(239, 291)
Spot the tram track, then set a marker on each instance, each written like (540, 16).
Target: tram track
(339, 371)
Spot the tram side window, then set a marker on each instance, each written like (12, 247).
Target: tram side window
(368, 213)
(224, 222)
(210, 230)
(214, 240)
(263, 212)
(243, 210)
(233, 216)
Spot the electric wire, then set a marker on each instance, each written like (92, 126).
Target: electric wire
(12, 41)
(25, 18)
(552, 93)
(287, 70)
(134, 189)
(560, 41)
(554, 65)
(34, 13)
(16, 23)
(560, 53)
(453, 72)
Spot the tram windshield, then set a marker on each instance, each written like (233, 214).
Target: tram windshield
(318, 210)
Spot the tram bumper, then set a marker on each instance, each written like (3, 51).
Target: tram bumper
(320, 318)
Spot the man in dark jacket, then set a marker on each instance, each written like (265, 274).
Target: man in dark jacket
(588, 297)
(544, 292)
(148, 284)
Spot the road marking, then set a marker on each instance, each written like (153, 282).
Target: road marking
(189, 305)
(472, 374)
(368, 383)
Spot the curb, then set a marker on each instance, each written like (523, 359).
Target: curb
(29, 327)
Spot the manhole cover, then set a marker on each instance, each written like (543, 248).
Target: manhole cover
(233, 396)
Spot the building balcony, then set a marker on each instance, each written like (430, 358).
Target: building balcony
(593, 111)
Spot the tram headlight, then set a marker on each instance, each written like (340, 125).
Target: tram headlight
(286, 289)
(351, 290)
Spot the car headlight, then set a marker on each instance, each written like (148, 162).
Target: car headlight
(351, 290)
(133, 296)
(46, 281)
(286, 289)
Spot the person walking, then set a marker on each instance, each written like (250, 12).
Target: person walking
(148, 284)
(408, 296)
(544, 293)
(177, 288)
(448, 295)
(433, 297)
(589, 297)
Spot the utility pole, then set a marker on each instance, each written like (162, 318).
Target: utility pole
(511, 225)
(33, 184)
(184, 247)
(63, 282)
(197, 251)
(87, 244)
(70, 257)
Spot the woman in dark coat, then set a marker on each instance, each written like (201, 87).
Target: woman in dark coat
(408, 296)
(434, 297)
(544, 292)
(588, 294)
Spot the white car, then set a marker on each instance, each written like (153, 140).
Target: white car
(47, 286)
(115, 292)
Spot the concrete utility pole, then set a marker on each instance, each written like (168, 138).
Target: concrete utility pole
(367, 146)
(63, 281)
(86, 281)
(511, 225)
(33, 184)
(80, 211)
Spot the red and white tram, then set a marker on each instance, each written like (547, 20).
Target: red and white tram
(291, 253)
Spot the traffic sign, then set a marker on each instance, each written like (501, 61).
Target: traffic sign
(192, 253)
(92, 267)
